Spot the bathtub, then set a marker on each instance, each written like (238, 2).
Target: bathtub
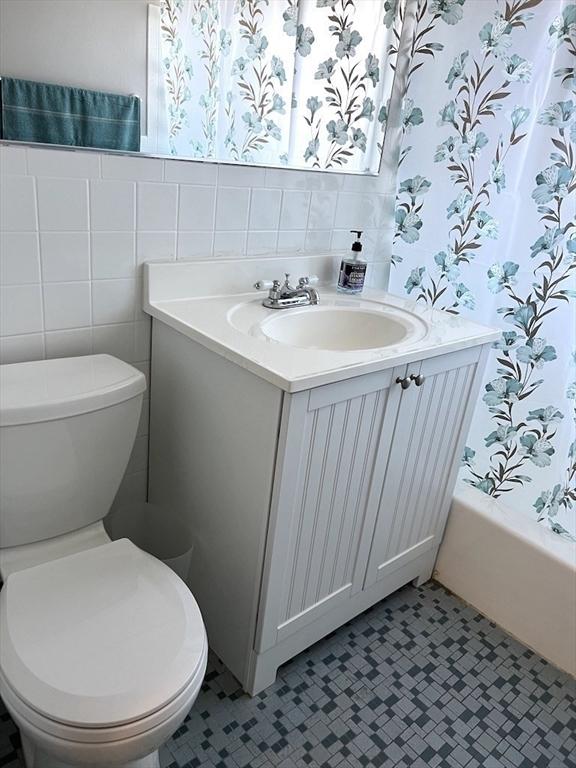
(514, 571)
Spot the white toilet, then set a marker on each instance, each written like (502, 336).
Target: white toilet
(102, 647)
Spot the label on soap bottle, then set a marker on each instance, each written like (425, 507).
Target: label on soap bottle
(352, 274)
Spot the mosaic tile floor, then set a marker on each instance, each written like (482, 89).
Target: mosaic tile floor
(419, 681)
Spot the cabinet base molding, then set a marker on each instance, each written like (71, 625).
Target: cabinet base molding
(264, 666)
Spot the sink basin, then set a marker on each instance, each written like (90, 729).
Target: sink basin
(336, 328)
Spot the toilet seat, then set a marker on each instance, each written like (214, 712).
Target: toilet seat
(61, 731)
(105, 638)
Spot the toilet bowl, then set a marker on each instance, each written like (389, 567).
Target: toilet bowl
(102, 646)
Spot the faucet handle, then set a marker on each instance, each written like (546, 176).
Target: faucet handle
(266, 285)
(312, 280)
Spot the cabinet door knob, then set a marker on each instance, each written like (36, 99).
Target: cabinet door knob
(404, 383)
(418, 379)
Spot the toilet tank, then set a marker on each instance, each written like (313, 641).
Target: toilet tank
(67, 428)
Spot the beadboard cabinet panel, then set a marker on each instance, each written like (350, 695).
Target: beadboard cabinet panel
(322, 489)
(419, 472)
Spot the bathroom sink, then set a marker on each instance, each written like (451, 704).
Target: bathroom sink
(335, 328)
(299, 347)
(338, 325)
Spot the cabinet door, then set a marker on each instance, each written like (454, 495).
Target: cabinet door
(418, 460)
(327, 448)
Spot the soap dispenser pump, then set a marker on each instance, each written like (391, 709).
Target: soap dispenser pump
(353, 268)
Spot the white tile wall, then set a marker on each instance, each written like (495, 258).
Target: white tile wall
(65, 256)
(157, 207)
(322, 211)
(196, 208)
(113, 254)
(261, 242)
(112, 205)
(232, 208)
(131, 168)
(14, 160)
(191, 173)
(76, 226)
(113, 301)
(57, 163)
(295, 207)
(193, 245)
(230, 244)
(265, 209)
(20, 309)
(68, 343)
(62, 204)
(66, 305)
(18, 210)
(155, 245)
(19, 349)
(20, 262)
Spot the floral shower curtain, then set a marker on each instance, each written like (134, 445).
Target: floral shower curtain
(296, 82)
(486, 228)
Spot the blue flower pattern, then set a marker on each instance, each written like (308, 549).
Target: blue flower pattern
(519, 446)
(331, 52)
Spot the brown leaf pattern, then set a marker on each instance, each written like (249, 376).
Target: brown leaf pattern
(518, 438)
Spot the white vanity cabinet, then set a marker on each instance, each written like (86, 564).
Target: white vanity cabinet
(306, 507)
(363, 481)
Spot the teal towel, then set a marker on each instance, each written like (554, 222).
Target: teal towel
(57, 114)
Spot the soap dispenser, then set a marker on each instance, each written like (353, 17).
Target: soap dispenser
(353, 268)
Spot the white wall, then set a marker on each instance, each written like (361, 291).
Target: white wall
(95, 44)
(76, 226)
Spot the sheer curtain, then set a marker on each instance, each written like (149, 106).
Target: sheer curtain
(296, 82)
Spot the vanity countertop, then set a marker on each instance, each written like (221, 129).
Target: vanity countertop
(230, 325)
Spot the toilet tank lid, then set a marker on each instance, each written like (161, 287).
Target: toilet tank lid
(45, 390)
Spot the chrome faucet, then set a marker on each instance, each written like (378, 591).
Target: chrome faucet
(284, 295)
